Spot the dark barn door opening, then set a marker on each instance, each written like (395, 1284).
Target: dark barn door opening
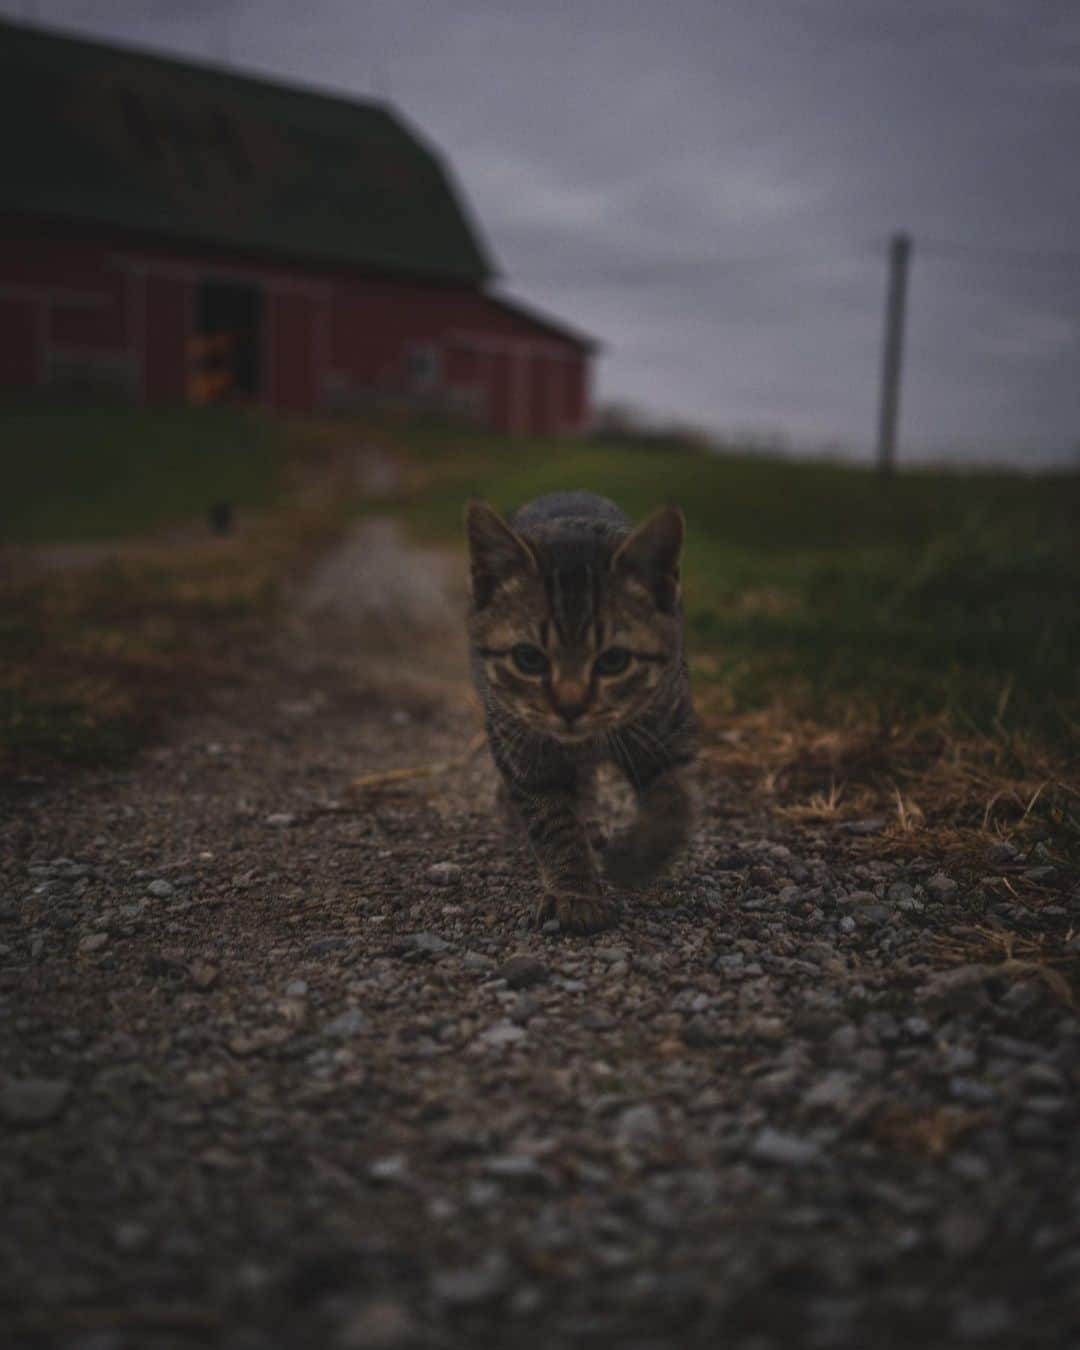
(226, 356)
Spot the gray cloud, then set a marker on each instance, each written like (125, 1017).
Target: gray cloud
(709, 187)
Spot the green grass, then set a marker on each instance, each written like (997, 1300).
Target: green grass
(822, 585)
(96, 655)
(813, 587)
(74, 473)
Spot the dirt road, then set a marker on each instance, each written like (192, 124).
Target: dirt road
(278, 1071)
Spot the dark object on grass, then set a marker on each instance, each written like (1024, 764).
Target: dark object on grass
(222, 518)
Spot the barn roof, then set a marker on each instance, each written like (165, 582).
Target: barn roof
(107, 135)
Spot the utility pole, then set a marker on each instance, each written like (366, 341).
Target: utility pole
(889, 410)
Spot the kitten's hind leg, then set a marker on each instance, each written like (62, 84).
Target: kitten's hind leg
(659, 830)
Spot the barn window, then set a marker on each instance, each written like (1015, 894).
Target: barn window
(423, 367)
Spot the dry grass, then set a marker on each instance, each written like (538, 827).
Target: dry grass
(930, 1133)
(1043, 956)
(96, 655)
(933, 789)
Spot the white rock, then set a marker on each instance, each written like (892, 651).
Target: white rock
(785, 1150)
(835, 1091)
(347, 1024)
(392, 1169)
(502, 1033)
(639, 1126)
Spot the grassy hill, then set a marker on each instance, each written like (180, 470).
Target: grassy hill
(825, 586)
(74, 473)
(814, 588)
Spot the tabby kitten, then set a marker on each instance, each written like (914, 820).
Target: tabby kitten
(577, 653)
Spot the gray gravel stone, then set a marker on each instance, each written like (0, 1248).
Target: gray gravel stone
(160, 889)
(32, 1101)
(391, 1170)
(983, 1319)
(468, 1286)
(639, 1126)
(699, 1032)
(325, 945)
(519, 1168)
(347, 1024)
(857, 898)
(523, 972)
(844, 1039)
(940, 886)
(835, 1091)
(502, 1034)
(426, 942)
(382, 1323)
(784, 1150)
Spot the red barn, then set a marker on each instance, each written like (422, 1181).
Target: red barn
(173, 232)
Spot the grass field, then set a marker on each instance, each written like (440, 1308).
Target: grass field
(98, 643)
(944, 600)
(826, 587)
(73, 473)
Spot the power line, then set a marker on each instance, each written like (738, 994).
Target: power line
(665, 269)
(659, 271)
(989, 255)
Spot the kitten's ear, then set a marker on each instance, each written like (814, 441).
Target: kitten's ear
(651, 554)
(495, 551)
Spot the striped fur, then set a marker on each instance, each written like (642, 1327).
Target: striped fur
(563, 587)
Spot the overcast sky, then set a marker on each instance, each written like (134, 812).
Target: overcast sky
(708, 186)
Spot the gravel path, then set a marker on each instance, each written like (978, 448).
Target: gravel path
(275, 1072)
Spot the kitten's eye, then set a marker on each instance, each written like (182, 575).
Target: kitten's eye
(613, 661)
(529, 660)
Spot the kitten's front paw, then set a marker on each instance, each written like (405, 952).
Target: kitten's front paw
(575, 913)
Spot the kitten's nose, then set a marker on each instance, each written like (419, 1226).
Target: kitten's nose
(570, 698)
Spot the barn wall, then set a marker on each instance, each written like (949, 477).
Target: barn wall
(516, 375)
(18, 355)
(292, 376)
(62, 316)
(167, 319)
(121, 315)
